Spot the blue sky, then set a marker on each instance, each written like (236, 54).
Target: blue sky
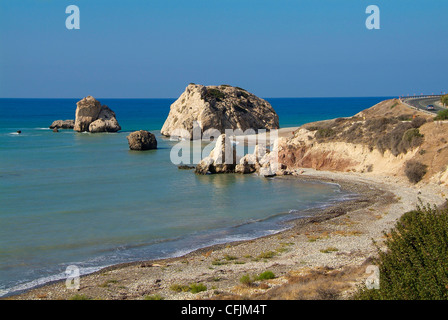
(273, 48)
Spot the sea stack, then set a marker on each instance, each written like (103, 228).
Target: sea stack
(142, 140)
(218, 107)
(91, 116)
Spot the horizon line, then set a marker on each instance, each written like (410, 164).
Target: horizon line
(147, 98)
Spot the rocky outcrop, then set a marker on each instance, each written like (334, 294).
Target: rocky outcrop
(253, 162)
(262, 160)
(106, 121)
(91, 116)
(142, 140)
(222, 158)
(63, 124)
(218, 107)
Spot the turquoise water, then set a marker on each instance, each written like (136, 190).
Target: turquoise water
(86, 199)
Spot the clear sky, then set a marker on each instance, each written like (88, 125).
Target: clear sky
(273, 48)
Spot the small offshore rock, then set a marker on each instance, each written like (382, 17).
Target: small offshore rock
(185, 167)
(63, 124)
(142, 140)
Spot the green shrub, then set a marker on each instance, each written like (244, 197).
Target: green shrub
(197, 287)
(266, 255)
(215, 93)
(193, 288)
(442, 115)
(246, 280)
(266, 275)
(329, 250)
(229, 257)
(325, 133)
(444, 99)
(414, 265)
(415, 170)
(179, 288)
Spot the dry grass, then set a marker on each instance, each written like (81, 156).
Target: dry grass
(319, 284)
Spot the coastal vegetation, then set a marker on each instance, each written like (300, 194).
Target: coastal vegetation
(444, 99)
(442, 115)
(249, 280)
(394, 134)
(193, 288)
(267, 275)
(215, 93)
(413, 266)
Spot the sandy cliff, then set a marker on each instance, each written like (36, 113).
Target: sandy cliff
(381, 140)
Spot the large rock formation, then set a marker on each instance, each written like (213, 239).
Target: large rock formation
(218, 107)
(91, 116)
(63, 124)
(142, 140)
(222, 158)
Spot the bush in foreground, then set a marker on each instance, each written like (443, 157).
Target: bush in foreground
(442, 115)
(414, 265)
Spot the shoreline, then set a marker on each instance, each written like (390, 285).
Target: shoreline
(348, 227)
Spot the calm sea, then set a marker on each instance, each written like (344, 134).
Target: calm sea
(85, 199)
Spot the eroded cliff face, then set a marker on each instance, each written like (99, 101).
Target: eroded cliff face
(303, 152)
(218, 107)
(380, 140)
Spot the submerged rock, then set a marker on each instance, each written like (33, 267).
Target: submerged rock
(63, 124)
(218, 107)
(185, 167)
(91, 116)
(142, 140)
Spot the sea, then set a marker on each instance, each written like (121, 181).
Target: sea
(86, 200)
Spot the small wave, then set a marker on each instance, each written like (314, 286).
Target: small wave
(42, 129)
(44, 280)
